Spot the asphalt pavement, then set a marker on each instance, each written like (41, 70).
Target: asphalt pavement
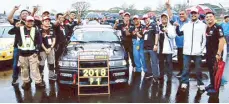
(139, 90)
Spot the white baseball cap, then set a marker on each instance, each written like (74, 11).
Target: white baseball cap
(194, 9)
(29, 18)
(121, 11)
(136, 17)
(145, 16)
(127, 13)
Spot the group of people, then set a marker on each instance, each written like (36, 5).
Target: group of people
(38, 40)
(149, 47)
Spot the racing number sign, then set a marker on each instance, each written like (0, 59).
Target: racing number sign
(95, 72)
(93, 76)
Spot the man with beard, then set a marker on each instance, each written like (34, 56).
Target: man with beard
(194, 44)
(214, 46)
(126, 37)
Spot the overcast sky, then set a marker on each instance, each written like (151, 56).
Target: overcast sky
(63, 5)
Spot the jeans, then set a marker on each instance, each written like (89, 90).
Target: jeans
(180, 59)
(138, 54)
(152, 60)
(15, 62)
(185, 73)
(169, 64)
(227, 39)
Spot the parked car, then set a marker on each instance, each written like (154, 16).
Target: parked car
(100, 38)
(6, 43)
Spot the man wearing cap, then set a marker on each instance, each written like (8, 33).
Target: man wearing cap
(121, 17)
(126, 37)
(167, 35)
(151, 37)
(16, 23)
(138, 45)
(178, 21)
(214, 46)
(29, 41)
(47, 50)
(194, 44)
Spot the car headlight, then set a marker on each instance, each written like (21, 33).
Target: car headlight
(124, 62)
(118, 63)
(5, 47)
(68, 64)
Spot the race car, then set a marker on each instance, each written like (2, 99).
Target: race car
(6, 44)
(93, 38)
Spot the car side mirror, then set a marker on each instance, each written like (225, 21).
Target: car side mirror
(119, 33)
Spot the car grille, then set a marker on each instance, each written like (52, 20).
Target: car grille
(92, 64)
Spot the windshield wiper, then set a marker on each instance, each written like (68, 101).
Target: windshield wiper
(2, 32)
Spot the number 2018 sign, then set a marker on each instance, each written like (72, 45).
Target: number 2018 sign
(94, 72)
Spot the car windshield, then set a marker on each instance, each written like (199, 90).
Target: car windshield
(94, 36)
(4, 32)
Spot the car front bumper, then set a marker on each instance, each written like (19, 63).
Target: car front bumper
(6, 55)
(117, 75)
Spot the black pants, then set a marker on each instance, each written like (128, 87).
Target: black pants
(128, 46)
(58, 53)
(210, 59)
(169, 65)
(180, 59)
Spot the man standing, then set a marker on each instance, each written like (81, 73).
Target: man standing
(126, 37)
(28, 41)
(71, 23)
(47, 50)
(167, 36)
(178, 21)
(214, 46)
(194, 44)
(225, 26)
(138, 45)
(151, 38)
(16, 23)
(61, 31)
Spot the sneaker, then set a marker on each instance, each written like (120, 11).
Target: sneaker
(201, 87)
(211, 91)
(25, 86)
(179, 75)
(184, 86)
(14, 82)
(209, 87)
(147, 76)
(53, 78)
(40, 85)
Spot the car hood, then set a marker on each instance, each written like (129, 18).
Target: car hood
(114, 50)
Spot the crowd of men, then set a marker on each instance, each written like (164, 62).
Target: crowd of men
(146, 45)
(38, 40)
(150, 46)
